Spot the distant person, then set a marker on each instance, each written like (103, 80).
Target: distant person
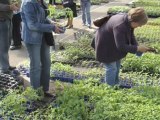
(86, 16)
(67, 4)
(34, 24)
(70, 4)
(16, 31)
(115, 38)
(6, 13)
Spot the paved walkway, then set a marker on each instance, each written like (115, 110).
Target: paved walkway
(18, 56)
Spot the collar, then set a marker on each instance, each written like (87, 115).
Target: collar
(128, 23)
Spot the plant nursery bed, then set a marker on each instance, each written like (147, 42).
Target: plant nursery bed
(82, 63)
(8, 81)
(63, 79)
(153, 16)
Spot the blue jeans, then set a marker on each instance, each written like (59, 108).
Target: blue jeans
(40, 63)
(86, 13)
(112, 73)
(5, 41)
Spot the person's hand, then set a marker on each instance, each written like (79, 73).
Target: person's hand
(57, 30)
(14, 7)
(53, 22)
(142, 48)
(152, 50)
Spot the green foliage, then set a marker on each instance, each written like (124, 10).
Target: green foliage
(80, 49)
(64, 58)
(74, 102)
(148, 34)
(77, 51)
(14, 104)
(16, 1)
(95, 2)
(154, 3)
(151, 11)
(51, 10)
(90, 100)
(151, 7)
(140, 79)
(150, 92)
(32, 95)
(87, 101)
(155, 21)
(69, 12)
(59, 1)
(94, 73)
(156, 46)
(63, 68)
(58, 13)
(98, 2)
(118, 9)
(148, 63)
(39, 114)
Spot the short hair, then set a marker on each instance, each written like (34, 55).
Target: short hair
(138, 15)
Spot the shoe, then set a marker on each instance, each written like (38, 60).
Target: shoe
(125, 86)
(84, 24)
(11, 68)
(15, 47)
(66, 25)
(70, 26)
(89, 26)
(46, 94)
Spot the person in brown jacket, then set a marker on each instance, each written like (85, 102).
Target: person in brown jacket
(115, 38)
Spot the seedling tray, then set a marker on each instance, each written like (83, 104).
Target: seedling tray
(8, 81)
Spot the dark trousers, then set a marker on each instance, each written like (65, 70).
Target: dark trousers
(5, 40)
(16, 31)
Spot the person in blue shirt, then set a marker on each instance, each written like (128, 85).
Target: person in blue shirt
(34, 24)
(6, 13)
(86, 17)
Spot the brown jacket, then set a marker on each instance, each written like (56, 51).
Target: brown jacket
(115, 39)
